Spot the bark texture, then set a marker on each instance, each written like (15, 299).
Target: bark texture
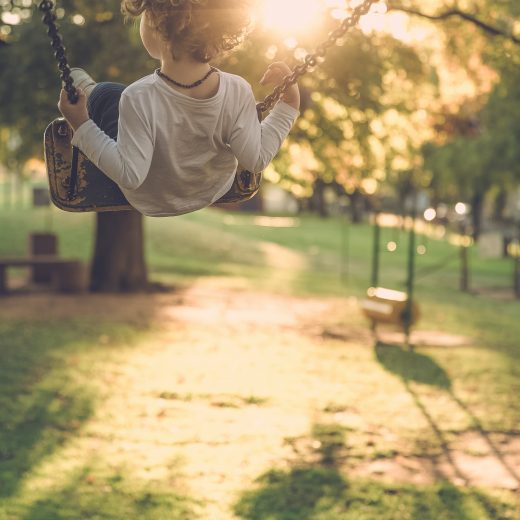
(118, 264)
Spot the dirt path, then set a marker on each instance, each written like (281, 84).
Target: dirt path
(231, 382)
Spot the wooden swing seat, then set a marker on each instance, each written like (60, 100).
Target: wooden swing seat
(77, 185)
(388, 306)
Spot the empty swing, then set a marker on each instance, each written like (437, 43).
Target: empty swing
(77, 185)
(388, 306)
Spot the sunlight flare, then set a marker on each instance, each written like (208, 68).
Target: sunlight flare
(303, 16)
(290, 16)
(294, 18)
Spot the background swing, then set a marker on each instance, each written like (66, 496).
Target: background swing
(389, 306)
(77, 185)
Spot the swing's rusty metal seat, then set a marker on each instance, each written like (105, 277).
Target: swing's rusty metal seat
(88, 189)
(77, 185)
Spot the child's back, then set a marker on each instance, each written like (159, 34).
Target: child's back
(178, 144)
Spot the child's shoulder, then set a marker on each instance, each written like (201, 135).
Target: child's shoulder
(140, 86)
(235, 82)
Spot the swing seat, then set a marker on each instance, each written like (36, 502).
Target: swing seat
(77, 185)
(388, 306)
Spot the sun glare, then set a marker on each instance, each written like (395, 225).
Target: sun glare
(294, 18)
(290, 16)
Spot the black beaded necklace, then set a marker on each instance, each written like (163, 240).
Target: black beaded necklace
(182, 85)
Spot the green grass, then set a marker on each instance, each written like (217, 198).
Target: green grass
(323, 257)
(47, 394)
(322, 493)
(94, 493)
(50, 372)
(217, 243)
(319, 491)
(312, 259)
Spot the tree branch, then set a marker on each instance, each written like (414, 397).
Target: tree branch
(456, 13)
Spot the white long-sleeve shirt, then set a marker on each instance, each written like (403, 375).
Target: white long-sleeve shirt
(175, 154)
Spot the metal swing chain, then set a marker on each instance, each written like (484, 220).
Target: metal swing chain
(312, 59)
(49, 19)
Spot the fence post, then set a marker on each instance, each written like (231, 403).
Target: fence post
(376, 251)
(410, 275)
(464, 259)
(516, 260)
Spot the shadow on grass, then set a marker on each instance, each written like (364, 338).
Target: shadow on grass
(45, 397)
(412, 366)
(320, 491)
(295, 494)
(91, 493)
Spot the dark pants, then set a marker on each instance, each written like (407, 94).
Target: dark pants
(103, 106)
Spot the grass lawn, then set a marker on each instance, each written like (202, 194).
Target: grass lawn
(253, 391)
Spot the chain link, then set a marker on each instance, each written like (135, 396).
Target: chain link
(49, 19)
(312, 59)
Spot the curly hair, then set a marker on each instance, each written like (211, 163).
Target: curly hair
(204, 29)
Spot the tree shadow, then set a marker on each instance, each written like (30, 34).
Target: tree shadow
(45, 397)
(307, 491)
(295, 494)
(92, 492)
(412, 366)
(300, 492)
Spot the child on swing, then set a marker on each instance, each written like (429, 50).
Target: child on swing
(180, 130)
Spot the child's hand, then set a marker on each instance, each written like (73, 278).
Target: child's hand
(76, 114)
(274, 75)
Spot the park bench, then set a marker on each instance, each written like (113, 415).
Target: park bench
(68, 275)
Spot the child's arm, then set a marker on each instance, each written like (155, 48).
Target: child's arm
(125, 161)
(255, 144)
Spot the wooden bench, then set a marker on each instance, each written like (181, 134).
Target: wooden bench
(68, 275)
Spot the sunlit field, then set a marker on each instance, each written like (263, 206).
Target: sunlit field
(251, 387)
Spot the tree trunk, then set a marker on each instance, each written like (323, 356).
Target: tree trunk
(317, 201)
(500, 205)
(118, 264)
(477, 207)
(357, 209)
